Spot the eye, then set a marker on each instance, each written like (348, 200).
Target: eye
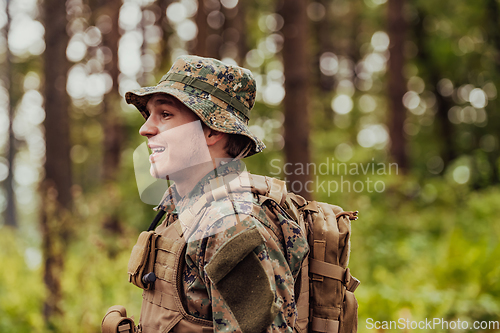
(166, 114)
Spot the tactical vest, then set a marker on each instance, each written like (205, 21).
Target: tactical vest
(162, 307)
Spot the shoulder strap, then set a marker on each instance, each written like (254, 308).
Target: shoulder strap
(272, 188)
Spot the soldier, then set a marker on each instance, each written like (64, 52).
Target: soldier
(223, 261)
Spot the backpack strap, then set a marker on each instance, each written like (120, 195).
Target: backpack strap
(332, 271)
(269, 187)
(325, 325)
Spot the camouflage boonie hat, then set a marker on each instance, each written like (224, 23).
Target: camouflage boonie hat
(221, 95)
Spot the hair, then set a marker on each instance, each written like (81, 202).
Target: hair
(236, 144)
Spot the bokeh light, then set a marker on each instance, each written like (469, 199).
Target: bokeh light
(461, 174)
(328, 64)
(342, 104)
(367, 103)
(445, 87)
(478, 98)
(373, 136)
(343, 152)
(130, 15)
(26, 36)
(380, 41)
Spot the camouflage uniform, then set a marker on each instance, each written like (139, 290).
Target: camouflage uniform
(222, 96)
(219, 223)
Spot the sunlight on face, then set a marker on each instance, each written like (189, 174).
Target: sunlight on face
(175, 136)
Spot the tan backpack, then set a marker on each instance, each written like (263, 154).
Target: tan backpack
(324, 288)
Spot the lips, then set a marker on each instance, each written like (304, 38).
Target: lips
(156, 150)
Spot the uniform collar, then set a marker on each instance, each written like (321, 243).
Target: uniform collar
(172, 202)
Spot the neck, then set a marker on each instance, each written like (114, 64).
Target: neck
(187, 179)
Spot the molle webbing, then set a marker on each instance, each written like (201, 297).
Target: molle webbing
(302, 283)
(302, 300)
(162, 308)
(165, 258)
(331, 280)
(165, 300)
(329, 304)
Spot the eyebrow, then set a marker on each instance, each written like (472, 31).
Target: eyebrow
(161, 101)
(164, 100)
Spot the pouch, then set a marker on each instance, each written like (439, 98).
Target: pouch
(116, 321)
(349, 316)
(142, 259)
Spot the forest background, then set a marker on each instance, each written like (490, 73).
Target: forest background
(373, 83)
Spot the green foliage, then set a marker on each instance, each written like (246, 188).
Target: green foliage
(21, 288)
(94, 278)
(429, 261)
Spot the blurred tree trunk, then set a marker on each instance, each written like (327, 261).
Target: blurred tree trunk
(10, 210)
(443, 104)
(142, 78)
(396, 26)
(235, 38)
(493, 33)
(323, 30)
(208, 41)
(167, 31)
(296, 70)
(113, 127)
(239, 23)
(56, 187)
(200, 47)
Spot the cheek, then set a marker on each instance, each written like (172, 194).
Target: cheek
(188, 115)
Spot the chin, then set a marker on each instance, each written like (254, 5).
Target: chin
(158, 172)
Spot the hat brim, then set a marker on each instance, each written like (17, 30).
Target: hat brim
(211, 110)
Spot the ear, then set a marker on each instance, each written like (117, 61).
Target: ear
(213, 136)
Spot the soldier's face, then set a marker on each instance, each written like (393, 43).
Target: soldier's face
(175, 137)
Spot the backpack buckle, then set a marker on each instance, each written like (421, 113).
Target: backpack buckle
(347, 277)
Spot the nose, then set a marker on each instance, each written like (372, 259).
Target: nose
(149, 128)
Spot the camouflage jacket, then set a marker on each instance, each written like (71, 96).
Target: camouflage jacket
(280, 255)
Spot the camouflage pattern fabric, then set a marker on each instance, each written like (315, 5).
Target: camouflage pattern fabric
(234, 85)
(281, 255)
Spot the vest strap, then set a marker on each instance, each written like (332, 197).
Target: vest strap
(325, 325)
(327, 270)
